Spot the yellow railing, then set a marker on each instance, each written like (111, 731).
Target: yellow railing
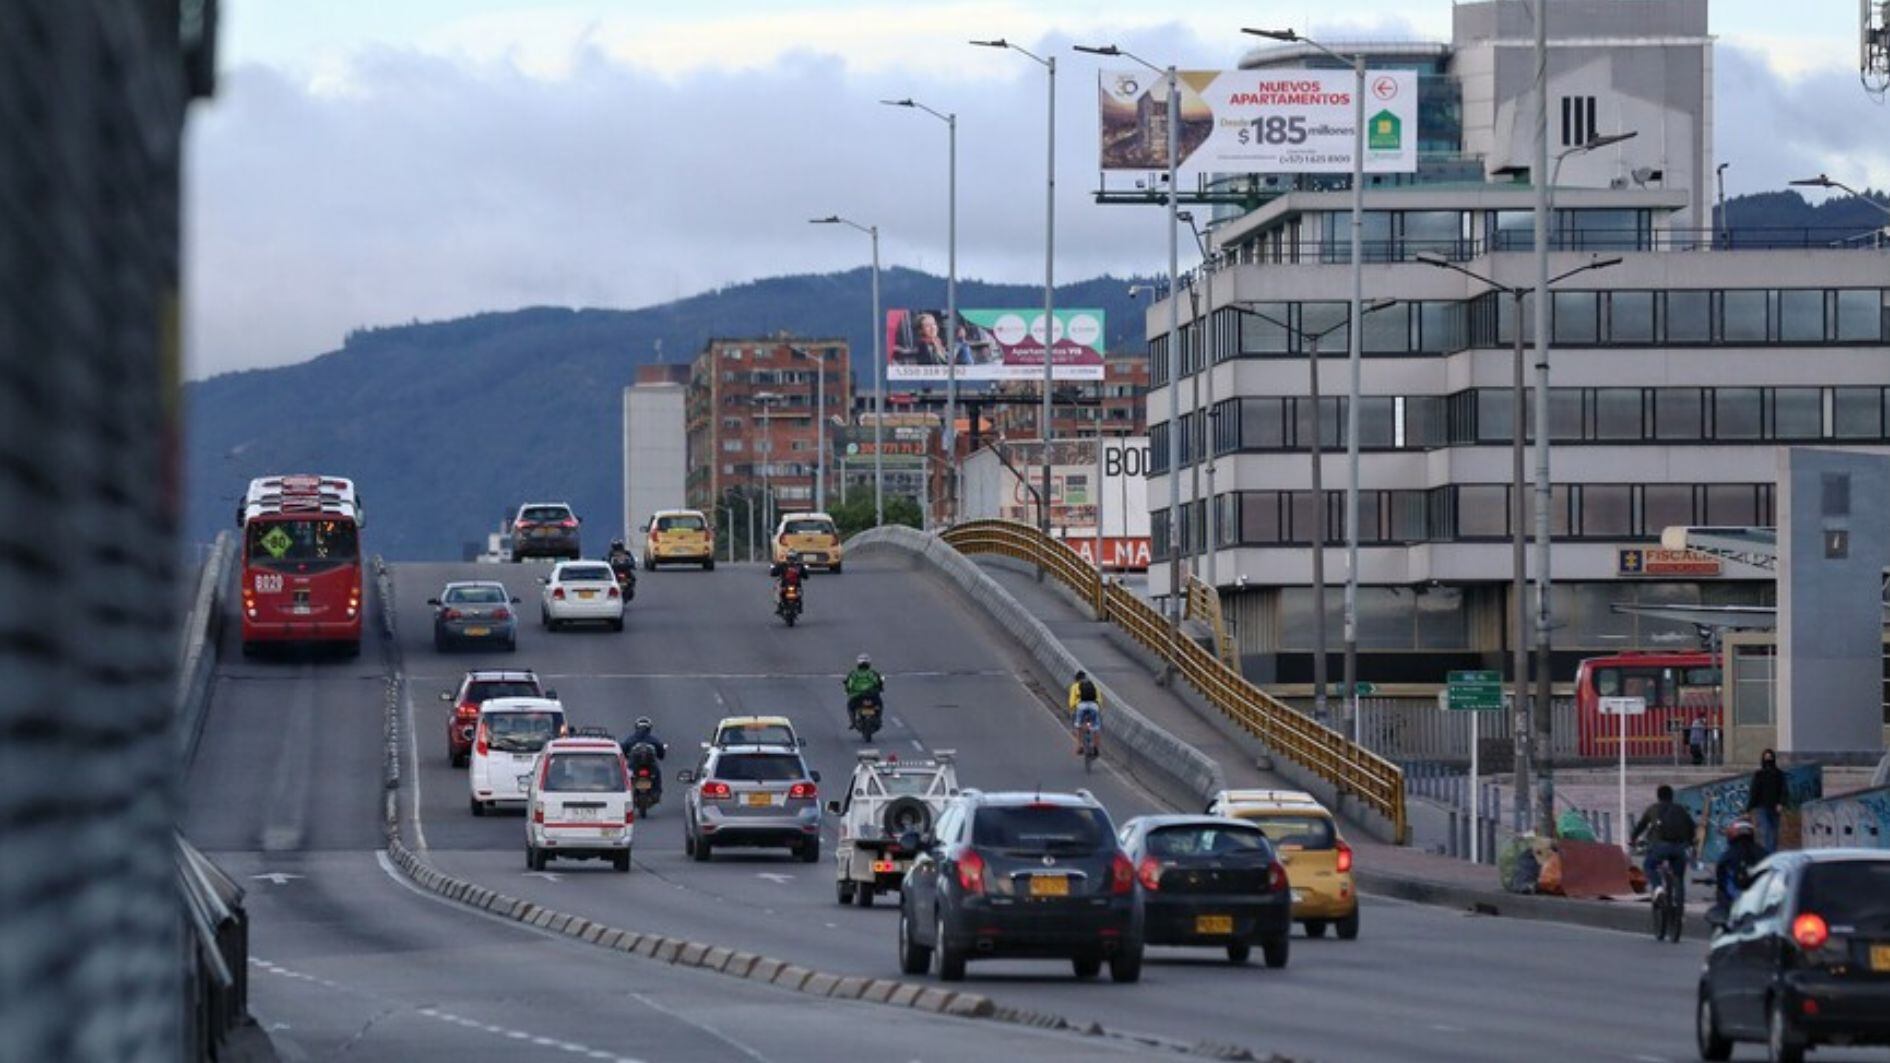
(1204, 604)
(1375, 781)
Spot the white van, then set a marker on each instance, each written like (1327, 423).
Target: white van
(580, 806)
(511, 734)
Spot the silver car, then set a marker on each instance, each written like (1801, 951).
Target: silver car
(474, 611)
(757, 796)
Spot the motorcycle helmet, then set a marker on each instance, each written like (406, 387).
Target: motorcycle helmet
(643, 723)
(1741, 827)
(616, 544)
(862, 660)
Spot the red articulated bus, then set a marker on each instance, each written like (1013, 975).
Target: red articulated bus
(1677, 686)
(301, 563)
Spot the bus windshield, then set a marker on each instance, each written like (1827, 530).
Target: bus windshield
(291, 542)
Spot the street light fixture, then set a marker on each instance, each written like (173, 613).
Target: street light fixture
(1174, 333)
(951, 280)
(1049, 64)
(1526, 760)
(1826, 182)
(879, 372)
(1353, 356)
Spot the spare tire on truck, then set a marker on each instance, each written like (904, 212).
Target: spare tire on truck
(904, 814)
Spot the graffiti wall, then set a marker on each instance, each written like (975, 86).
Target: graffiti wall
(1861, 819)
(1718, 803)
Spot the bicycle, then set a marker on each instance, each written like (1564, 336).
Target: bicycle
(1086, 734)
(1669, 912)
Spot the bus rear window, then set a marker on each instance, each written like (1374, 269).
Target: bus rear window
(301, 541)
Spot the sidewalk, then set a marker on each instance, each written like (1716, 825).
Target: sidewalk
(1388, 870)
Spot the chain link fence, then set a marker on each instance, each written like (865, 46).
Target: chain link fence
(92, 98)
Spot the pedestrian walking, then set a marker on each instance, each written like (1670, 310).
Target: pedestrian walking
(1696, 738)
(1765, 799)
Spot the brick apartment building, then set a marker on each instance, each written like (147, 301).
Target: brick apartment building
(751, 409)
(1123, 410)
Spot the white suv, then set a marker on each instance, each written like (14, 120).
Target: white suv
(580, 804)
(888, 803)
(511, 734)
(581, 591)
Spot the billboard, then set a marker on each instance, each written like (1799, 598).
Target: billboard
(1258, 121)
(1002, 484)
(992, 345)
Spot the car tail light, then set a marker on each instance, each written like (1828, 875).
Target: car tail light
(971, 871)
(643, 773)
(803, 790)
(538, 813)
(1276, 877)
(467, 710)
(483, 743)
(714, 790)
(557, 594)
(629, 814)
(568, 522)
(1810, 931)
(502, 613)
(1121, 874)
(524, 525)
(613, 592)
(1345, 858)
(1150, 872)
(450, 614)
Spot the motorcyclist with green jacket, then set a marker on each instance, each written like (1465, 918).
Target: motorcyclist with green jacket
(863, 682)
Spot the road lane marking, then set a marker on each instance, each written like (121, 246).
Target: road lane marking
(279, 878)
(286, 822)
(775, 877)
(413, 756)
(548, 876)
(712, 1032)
(520, 1035)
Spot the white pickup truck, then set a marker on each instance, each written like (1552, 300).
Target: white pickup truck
(889, 803)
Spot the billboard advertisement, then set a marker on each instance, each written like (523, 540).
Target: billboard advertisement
(1002, 484)
(992, 345)
(1258, 121)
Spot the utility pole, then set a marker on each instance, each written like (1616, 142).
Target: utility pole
(1319, 545)
(1544, 710)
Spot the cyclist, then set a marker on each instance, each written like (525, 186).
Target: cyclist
(1669, 830)
(1085, 711)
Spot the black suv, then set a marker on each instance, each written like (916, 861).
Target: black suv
(1021, 875)
(545, 529)
(1803, 957)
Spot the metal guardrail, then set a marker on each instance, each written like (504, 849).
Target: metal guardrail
(216, 994)
(1204, 604)
(1377, 782)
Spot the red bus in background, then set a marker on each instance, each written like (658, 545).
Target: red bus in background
(1677, 686)
(301, 577)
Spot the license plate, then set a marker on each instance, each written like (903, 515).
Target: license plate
(881, 867)
(475, 632)
(606, 830)
(1049, 886)
(643, 784)
(1880, 957)
(869, 710)
(1213, 924)
(524, 782)
(587, 594)
(1298, 896)
(760, 800)
(581, 813)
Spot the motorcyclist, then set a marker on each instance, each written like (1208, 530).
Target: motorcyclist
(1733, 872)
(645, 735)
(1669, 830)
(791, 572)
(622, 562)
(860, 683)
(1085, 710)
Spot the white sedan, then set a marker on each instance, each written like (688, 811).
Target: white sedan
(581, 592)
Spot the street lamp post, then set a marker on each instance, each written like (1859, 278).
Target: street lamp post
(1353, 384)
(951, 283)
(1174, 337)
(879, 373)
(1519, 648)
(1210, 264)
(1824, 181)
(766, 400)
(1049, 63)
(820, 423)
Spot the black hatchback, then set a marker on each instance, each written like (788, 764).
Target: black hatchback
(1209, 881)
(1021, 875)
(1803, 957)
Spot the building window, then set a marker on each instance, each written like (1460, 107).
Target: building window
(1578, 120)
(1689, 317)
(1797, 413)
(1496, 422)
(1857, 413)
(1265, 334)
(1328, 322)
(1618, 414)
(1377, 423)
(1330, 423)
(1482, 511)
(1678, 414)
(1441, 326)
(1666, 506)
(1262, 424)
(1860, 316)
(1607, 511)
(1260, 517)
(1738, 413)
(1388, 330)
(1732, 505)
(1743, 316)
(1801, 316)
(732, 445)
(1631, 317)
(1575, 317)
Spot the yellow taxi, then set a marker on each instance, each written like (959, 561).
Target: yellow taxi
(1318, 861)
(811, 535)
(679, 536)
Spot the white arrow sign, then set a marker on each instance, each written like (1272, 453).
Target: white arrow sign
(775, 877)
(280, 878)
(548, 876)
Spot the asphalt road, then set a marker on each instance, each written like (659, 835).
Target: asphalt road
(354, 963)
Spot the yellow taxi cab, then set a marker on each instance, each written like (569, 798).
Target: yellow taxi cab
(1318, 861)
(811, 535)
(679, 535)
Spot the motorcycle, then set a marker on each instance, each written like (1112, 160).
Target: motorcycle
(787, 603)
(866, 717)
(644, 775)
(625, 569)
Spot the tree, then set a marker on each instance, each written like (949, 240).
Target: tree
(856, 514)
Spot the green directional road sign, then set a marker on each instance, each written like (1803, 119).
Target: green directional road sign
(1474, 692)
(1364, 689)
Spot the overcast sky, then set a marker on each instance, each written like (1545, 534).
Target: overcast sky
(370, 162)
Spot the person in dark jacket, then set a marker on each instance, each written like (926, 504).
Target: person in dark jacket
(1733, 872)
(645, 735)
(1670, 830)
(1765, 799)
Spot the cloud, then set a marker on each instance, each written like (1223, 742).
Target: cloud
(1774, 127)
